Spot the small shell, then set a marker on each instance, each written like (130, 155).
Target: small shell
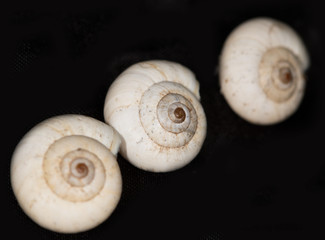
(155, 107)
(261, 70)
(64, 173)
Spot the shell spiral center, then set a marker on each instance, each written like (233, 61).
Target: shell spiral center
(72, 169)
(174, 113)
(77, 167)
(279, 72)
(179, 115)
(167, 114)
(285, 75)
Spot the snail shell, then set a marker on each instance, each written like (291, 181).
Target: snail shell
(64, 173)
(262, 70)
(155, 107)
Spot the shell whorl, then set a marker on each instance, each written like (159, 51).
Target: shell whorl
(280, 74)
(73, 168)
(168, 118)
(261, 70)
(65, 175)
(155, 107)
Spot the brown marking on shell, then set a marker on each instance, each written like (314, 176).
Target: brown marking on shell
(82, 169)
(67, 169)
(157, 68)
(271, 29)
(285, 75)
(179, 114)
(279, 73)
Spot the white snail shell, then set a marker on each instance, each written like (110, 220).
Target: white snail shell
(155, 107)
(64, 173)
(262, 70)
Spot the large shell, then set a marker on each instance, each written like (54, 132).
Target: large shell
(261, 70)
(155, 107)
(64, 173)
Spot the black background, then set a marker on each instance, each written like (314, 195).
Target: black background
(257, 182)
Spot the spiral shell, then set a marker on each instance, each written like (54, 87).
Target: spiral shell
(155, 107)
(64, 173)
(262, 70)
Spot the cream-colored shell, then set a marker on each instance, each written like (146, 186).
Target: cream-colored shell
(246, 69)
(150, 139)
(64, 173)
